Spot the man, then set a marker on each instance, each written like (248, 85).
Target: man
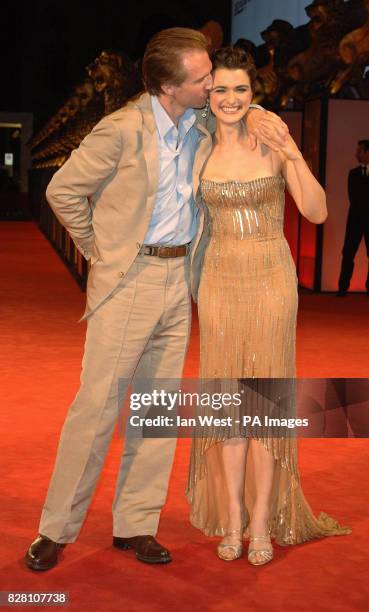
(357, 224)
(126, 198)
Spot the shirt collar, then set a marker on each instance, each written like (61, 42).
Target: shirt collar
(164, 122)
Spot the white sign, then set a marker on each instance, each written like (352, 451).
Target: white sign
(8, 159)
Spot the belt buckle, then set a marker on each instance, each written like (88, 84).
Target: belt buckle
(148, 250)
(164, 251)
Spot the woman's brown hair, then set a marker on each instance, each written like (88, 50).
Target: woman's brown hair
(235, 58)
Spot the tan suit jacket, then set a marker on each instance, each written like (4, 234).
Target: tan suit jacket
(105, 193)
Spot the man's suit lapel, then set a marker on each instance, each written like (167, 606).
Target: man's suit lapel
(202, 153)
(150, 148)
(206, 126)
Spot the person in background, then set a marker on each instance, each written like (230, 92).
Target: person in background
(357, 225)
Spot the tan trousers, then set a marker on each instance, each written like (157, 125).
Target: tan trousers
(141, 331)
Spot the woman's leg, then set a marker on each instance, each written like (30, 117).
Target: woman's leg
(234, 461)
(234, 453)
(264, 465)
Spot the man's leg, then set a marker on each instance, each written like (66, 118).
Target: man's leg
(353, 236)
(146, 462)
(114, 346)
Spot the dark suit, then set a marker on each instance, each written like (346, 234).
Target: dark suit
(357, 225)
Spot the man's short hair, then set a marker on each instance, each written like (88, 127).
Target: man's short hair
(162, 62)
(364, 144)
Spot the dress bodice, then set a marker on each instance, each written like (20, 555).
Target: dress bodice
(244, 210)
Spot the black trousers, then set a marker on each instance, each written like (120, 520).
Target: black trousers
(357, 227)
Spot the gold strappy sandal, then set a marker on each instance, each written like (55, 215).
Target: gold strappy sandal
(265, 553)
(236, 548)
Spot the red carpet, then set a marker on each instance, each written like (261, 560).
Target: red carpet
(41, 350)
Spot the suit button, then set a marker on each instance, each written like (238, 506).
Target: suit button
(121, 274)
(138, 245)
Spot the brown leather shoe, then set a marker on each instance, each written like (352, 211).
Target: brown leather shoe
(146, 548)
(43, 554)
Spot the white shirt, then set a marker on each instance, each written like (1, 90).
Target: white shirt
(174, 221)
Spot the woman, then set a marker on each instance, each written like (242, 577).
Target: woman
(247, 306)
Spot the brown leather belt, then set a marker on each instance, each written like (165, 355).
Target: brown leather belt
(165, 251)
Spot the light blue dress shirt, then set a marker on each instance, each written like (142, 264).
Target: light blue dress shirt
(174, 219)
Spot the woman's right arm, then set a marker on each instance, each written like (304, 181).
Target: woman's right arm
(307, 192)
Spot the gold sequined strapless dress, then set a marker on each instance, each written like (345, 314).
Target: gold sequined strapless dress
(247, 306)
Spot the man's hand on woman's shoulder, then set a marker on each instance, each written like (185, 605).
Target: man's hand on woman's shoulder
(267, 128)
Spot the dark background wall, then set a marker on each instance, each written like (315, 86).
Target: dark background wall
(47, 43)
